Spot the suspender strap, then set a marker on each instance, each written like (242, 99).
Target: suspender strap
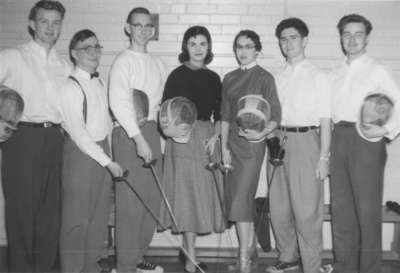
(84, 111)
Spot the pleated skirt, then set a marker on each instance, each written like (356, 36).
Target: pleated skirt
(191, 189)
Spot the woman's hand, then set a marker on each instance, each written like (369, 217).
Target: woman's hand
(226, 156)
(210, 144)
(252, 135)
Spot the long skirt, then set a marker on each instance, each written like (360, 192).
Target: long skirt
(241, 184)
(191, 189)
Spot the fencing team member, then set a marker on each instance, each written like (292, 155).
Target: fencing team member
(357, 163)
(135, 68)
(296, 193)
(31, 166)
(86, 183)
(237, 150)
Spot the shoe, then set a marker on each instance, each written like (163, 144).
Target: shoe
(327, 269)
(106, 264)
(182, 259)
(146, 267)
(281, 267)
(252, 263)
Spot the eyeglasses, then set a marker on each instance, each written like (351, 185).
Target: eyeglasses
(245, 47)
(358, 35)
(90, 48)
(147, 27)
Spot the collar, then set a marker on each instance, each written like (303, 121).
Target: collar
(291, 67)
(248, 66)
(41, 51)
(357, 61)
(192, 67)
(79, 72)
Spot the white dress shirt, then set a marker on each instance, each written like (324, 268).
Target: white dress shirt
(37, 77)
(134, 70)
(351, 83)
(98, 124)
(304, 94)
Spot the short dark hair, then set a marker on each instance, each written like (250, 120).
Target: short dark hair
(292, 22)
(193, 32)
(138, 10)
(80, 36)
(47, 5)
(354, 18)
(252, 35)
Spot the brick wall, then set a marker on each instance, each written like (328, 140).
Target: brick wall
(224, 18)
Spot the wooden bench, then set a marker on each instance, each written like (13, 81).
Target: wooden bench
(212, 253)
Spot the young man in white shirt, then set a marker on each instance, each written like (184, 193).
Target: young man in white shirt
(132, 69)
(86, 183)
(358, 158)
(31, 167)
(296, 193)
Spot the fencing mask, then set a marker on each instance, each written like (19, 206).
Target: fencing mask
(377, 108)
(253, 113)
(141, 105)
(177, 117)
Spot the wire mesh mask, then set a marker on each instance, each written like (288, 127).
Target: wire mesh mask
(177, 117)
(11, 105)
(141, 106)
(253, 113)
(376, 109)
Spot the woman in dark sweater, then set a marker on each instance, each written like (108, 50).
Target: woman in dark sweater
(245, 150)
(189, 186)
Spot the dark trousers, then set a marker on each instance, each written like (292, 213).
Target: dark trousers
(86, 194)
(135, 226)
(357, 168)
(31, 172)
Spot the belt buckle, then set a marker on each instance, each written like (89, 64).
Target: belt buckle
(47, 124)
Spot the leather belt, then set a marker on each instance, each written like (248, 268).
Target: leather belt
(46, 124)
(297, 129)
(344, 123)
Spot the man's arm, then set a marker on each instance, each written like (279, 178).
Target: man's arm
(121, 104)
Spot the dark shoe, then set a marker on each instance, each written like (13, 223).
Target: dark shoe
(327, 269)
(281, 267)
(147, 267)
(106, 264)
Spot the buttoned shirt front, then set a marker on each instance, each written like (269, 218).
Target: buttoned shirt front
(304, 94)
(135, 70)
(98, 124)
(37, 77)
(351, 83)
